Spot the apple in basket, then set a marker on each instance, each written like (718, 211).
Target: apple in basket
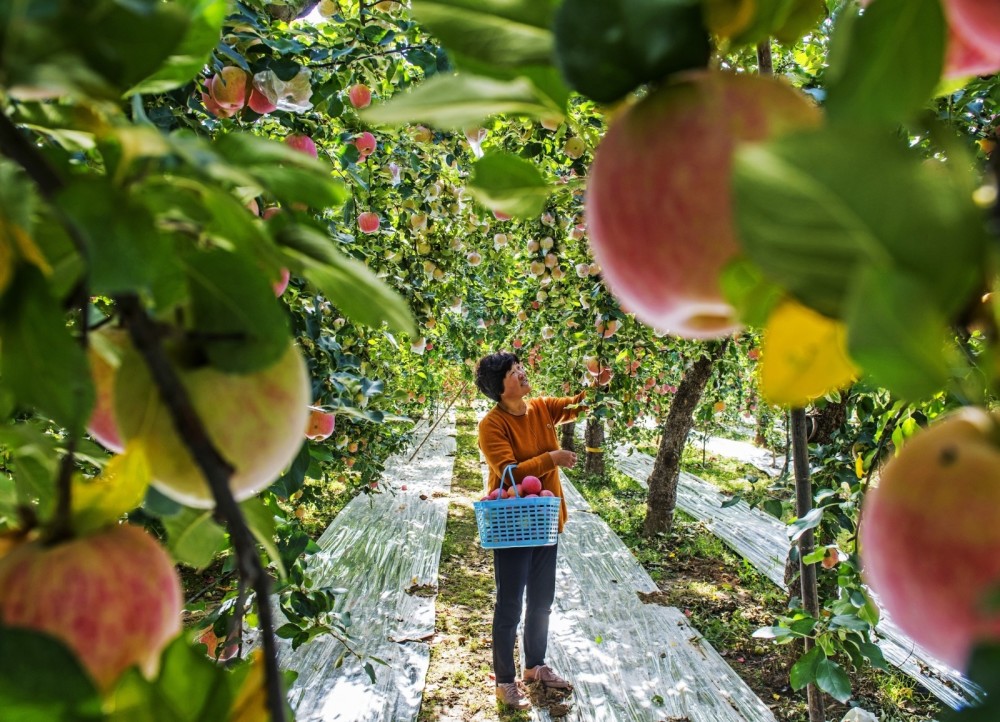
(495, 494)
(531, 485)
(546, 492)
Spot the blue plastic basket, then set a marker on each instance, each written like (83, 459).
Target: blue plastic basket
(517, 522)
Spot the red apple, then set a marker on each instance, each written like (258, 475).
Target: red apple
(366, 144)
(321, 424)
(360, 96)
(215, 109)
(978, 23)
(368, 222)
(930, 531)
(255, 420)
(281, 284)
(658, 204)
(545, 492)
(229, 87)
(209, 638)
(531, 485)
(104, 354)
(260, 103)
(113, 597)
(302, 143)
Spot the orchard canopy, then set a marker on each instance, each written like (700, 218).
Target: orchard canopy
(243, 244)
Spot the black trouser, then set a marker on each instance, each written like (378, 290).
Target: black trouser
(531, 569)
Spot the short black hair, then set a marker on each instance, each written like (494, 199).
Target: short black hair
(491, 370)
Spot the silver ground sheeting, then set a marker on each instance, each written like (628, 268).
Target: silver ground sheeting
(763, 541)
(376, 548)
(630, 661)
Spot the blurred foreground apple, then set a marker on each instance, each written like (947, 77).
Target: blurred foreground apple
(113, 597)
(930, 531)
(658, 206)
(255, 420)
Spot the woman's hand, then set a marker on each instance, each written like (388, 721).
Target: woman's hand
(562, 457)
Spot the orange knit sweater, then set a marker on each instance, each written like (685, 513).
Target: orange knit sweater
(527, 440)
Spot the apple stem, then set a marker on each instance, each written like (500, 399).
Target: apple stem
(217, 472)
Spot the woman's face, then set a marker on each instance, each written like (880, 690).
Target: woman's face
(515, 383)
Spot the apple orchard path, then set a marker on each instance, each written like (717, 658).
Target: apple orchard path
(630, 661)
(762, 540)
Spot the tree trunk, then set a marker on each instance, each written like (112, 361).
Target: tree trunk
(828, 420)
(568, 440)
(594, 439)
(662, 497)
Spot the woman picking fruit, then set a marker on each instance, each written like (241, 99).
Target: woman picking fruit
(522, 431)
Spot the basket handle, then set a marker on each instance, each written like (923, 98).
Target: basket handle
(509, 471)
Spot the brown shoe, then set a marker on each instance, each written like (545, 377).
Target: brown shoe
(510, 695)
(544, 674)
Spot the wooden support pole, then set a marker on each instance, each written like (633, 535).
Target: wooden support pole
(807, 572)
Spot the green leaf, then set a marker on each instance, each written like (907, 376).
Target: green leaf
(189, 688)
(41, 680)
(260, 519)
(885, 64)
(874, 655)
(832, 679)
(189, 57)
(291, 176)
(804, 671)
(295, 478)
(772, 633)
(126, 251)
(811, 222)
(506, 33)
(607, 48)
(346, 282)
(509, 184)
(242, 326)
(803, 524)
(194, 537)
(898, 336)
(456, 101)
(750, 293)
(41, 363)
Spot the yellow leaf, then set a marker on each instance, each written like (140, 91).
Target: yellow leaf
(804, 356)
(15, 243)
(121, 487)
(859, 466)
(251, 700)
(728, 18)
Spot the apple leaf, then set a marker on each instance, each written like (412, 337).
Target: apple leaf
(120, 487)
(509, 184)
(193, 537)
(455, 101)
(189, 688)
(505, 33)
(41, 680)
(240, 324)
(804, 671)
(811, 222)
(864, 82)
(127, 252)
(260, 519)
(898, 336)
(607, 48)
(203, 34)
(347, 282)
(832, 679)
(804, 356)
(41, 363)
